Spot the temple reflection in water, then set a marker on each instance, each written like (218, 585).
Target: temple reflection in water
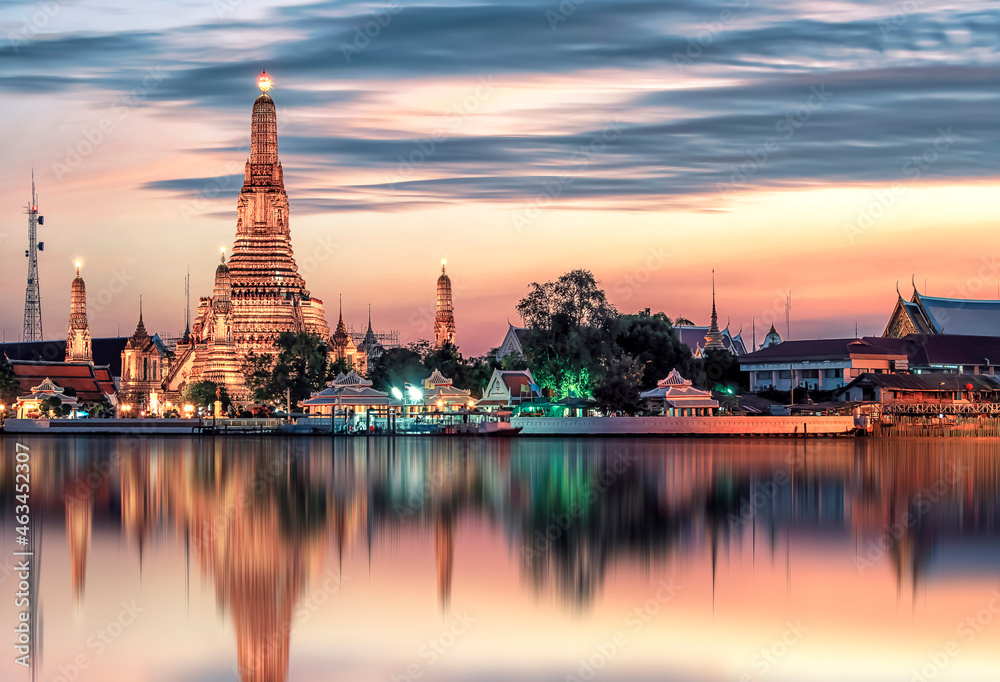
(260, 519)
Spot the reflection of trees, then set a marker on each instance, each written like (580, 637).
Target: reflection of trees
(260, 512)
(583, 520)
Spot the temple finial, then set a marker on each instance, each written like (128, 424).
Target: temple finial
(264, 81)
(140, 308)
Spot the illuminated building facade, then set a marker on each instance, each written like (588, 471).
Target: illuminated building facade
(145, 361)
(343, 346)
(259, 293)
(78, 335)
(444, 320)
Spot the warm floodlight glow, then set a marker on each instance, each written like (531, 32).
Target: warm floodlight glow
(264, 82)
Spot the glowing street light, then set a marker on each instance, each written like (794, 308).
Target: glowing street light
(396, 393)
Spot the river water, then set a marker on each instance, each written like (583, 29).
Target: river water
(211, 559)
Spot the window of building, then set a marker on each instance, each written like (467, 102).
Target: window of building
(785, 374)
(763, 376)
(833, 373)
(810, 374)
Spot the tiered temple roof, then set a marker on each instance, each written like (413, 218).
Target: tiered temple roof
(677, 392)
(259, 293)
(439, 389)
(924, 314)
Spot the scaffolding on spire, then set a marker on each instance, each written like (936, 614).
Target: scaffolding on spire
(32, 295)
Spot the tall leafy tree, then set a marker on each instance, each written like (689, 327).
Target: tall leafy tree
(653, 342)
(300, 367)
(395, 367)
(567, 341)
(618, 388)
(205, 393)
(10, 388)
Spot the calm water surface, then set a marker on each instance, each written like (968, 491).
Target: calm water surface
(529, 559)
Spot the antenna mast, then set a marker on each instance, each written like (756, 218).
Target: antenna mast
(187, 298)
(788, 315)
(32, 294)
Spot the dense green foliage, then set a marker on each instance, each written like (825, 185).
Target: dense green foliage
(578, 345)
(10, 388)
(416, 361)
(301, 366)
(204, 394)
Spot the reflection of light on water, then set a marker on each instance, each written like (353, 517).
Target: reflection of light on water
(269, 521)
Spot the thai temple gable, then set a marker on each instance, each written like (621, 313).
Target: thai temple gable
(773, 338)
(513, 341)
(673, 379)
(78, 341)
(440, 391)
(504, 388)
(444, 319)
(924, 314)
(436, 379)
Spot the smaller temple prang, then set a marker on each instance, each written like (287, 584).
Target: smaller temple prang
(444, 320)
(78, 341)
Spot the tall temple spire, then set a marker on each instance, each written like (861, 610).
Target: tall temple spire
(260, 292)
(444, 320)
(78, 344)
(714, 337)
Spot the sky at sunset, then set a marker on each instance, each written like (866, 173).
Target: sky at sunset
(828, 147)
